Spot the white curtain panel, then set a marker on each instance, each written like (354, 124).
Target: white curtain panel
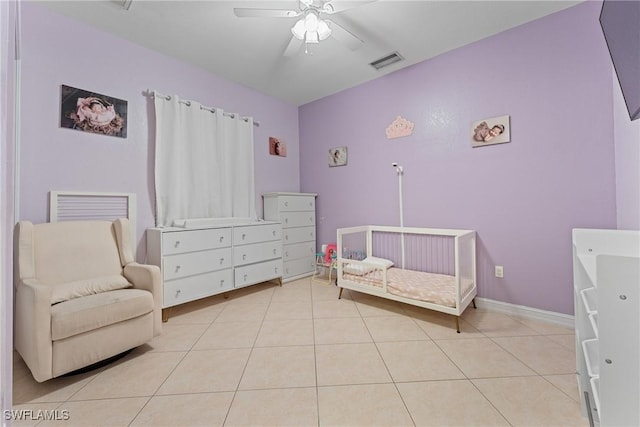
(204, 163)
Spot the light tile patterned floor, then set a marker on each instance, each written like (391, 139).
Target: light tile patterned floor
(297, 356)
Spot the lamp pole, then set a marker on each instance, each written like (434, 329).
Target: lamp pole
(400, 172)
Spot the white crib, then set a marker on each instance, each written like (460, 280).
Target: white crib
(431, 268)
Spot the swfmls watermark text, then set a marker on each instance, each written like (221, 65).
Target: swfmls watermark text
(36, 414)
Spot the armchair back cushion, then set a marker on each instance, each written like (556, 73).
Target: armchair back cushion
(75, 251)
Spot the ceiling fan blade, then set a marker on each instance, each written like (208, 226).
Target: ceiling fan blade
(242, 12)
(343, 35)
(293, 47)
(337, 6)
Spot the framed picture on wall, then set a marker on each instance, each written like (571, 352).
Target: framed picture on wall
(495, 130)
(338, 156)
(277, 147)
(92, 112)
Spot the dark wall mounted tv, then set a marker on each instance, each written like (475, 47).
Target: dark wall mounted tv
(620, 22)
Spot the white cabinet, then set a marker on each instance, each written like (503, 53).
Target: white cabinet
(200, 262)
(297, 213)
(606, 270)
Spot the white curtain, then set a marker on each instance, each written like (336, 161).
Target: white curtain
(204, 162)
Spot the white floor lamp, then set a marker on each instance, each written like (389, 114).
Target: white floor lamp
(400, 172)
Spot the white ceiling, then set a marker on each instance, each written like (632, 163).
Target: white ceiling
(249, 51)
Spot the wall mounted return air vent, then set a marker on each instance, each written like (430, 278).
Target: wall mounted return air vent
(387, 60)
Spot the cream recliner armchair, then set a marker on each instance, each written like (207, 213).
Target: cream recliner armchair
(80, 297)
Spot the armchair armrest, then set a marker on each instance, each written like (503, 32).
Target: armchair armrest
(147, 277)
(33, 327)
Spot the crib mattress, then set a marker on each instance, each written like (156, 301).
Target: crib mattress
(430, 287)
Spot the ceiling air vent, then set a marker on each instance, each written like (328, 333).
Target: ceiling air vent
(386, 61)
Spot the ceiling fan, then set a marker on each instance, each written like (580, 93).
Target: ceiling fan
(312, 27)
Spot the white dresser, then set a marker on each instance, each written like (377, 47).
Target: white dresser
(606, 271)
(297, 213)
(204, 261)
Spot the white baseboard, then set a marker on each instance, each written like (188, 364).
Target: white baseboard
(526, 312)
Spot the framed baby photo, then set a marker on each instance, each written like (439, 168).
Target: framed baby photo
(337, 156)
(92, 112)
(495, 130)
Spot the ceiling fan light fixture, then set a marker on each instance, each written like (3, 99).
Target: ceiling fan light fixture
(323, 30)
(311, 37)
(311, 22)
(298, 30)
(311, 29)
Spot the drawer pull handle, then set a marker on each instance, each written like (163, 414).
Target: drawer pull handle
(243, 236)
(276, 269)
(286, 237)
(222, 260)
(178, 293)
(286, 254)
(274, 232)
(244, 256)
(274, 251)
(177, 268)
(286, 203)
(221, 239)
(176, 244)
(221, 282)
(286, 220)
(310, 219)
(245, 277)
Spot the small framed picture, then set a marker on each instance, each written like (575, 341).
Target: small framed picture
(277, 147)
(495, 130)
(338, 156)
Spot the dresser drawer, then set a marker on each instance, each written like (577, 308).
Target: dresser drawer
(298, 219)
(195, 240)
(296, 203)
(249, 254)
(256, 273)
(256, 234)
(298, 235)
(299, 250)
(189, 264)
(299, 266)
(195, 287)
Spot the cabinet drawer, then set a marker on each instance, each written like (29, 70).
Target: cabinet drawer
(299, 250)
(195, 287)
(298, 219)
(298, 235)
(195, 240)
(296, 203)
(299, 266)
(256, 273)
(189, 264)
(256, 234)
(248, 254)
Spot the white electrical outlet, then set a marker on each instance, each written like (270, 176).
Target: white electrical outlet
(499, 271)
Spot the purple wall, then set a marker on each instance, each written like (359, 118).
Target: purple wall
(627, 149)
(553, 77)
(57, 50)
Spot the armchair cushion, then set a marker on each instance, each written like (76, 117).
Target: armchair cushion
(80, 315)
(83, 288)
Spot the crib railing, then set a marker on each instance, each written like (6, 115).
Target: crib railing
(426, 249)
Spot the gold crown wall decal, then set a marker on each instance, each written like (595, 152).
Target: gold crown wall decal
(399, 127)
